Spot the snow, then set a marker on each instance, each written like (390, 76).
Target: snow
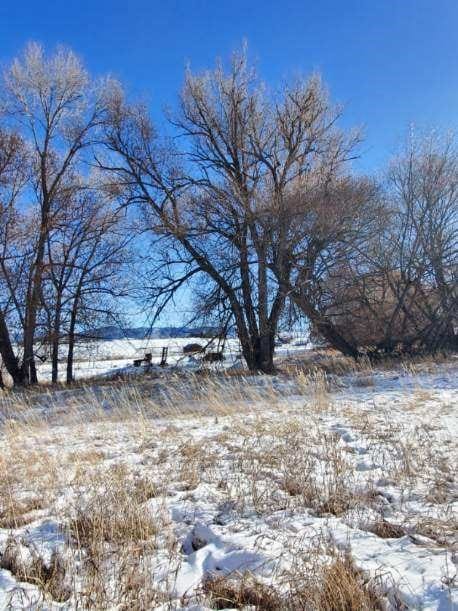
(387, 438)
(116, 356)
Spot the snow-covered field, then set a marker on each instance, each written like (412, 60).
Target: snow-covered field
(106, 357)
(188, 492)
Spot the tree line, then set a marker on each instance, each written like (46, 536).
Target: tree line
(248, 197)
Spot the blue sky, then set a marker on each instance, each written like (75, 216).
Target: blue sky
(390, 62)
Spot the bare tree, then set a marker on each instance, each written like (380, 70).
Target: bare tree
(399, 292)
(86, 255)
(223, 201)
(58, 109)
(13, 257)
(101, 273)
(333, 218)
(423, 183)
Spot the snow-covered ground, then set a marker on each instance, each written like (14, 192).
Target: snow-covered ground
(105, 357)
(154, 491)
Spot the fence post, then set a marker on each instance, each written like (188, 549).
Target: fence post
(165, 351)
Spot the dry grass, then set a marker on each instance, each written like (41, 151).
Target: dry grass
(294, 464)
(15, 512)
(115, 535)
(386, 530)
(442, 531)
(50, 578)
(113, 512)
(27, 484)
(332, 363)
(239, 591)
(337, 585)
(342, 587)
(111, 470)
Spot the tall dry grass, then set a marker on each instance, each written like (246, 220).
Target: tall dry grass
(104, 464)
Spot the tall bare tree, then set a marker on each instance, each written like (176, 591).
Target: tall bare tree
(399, 292)
(14, 248)
(423, 183)
(101, 274)
(223, 200)
(333, 218)
(85, 255)
(57, 109)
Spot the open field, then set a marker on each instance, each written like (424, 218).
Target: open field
(228, 306)
(105, 357)
(297, 491)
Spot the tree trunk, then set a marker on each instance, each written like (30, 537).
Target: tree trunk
(258, 353)
(265, 353)
(34, 295)
(265, 342)
(71, 346)
(55, 345)
(28, 362)
(55, 361)
(30, 320)
(6, 350)
(337, 341)
(71, 339)
(326, 328)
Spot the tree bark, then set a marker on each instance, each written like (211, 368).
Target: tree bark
(326, 328)
(71, 335)
(265, 353)
(55, 344)
(71, 347)
(33, 302)
(6, 350)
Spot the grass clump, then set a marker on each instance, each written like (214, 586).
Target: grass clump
(239, 591)
(337, 585)
(27, 565)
